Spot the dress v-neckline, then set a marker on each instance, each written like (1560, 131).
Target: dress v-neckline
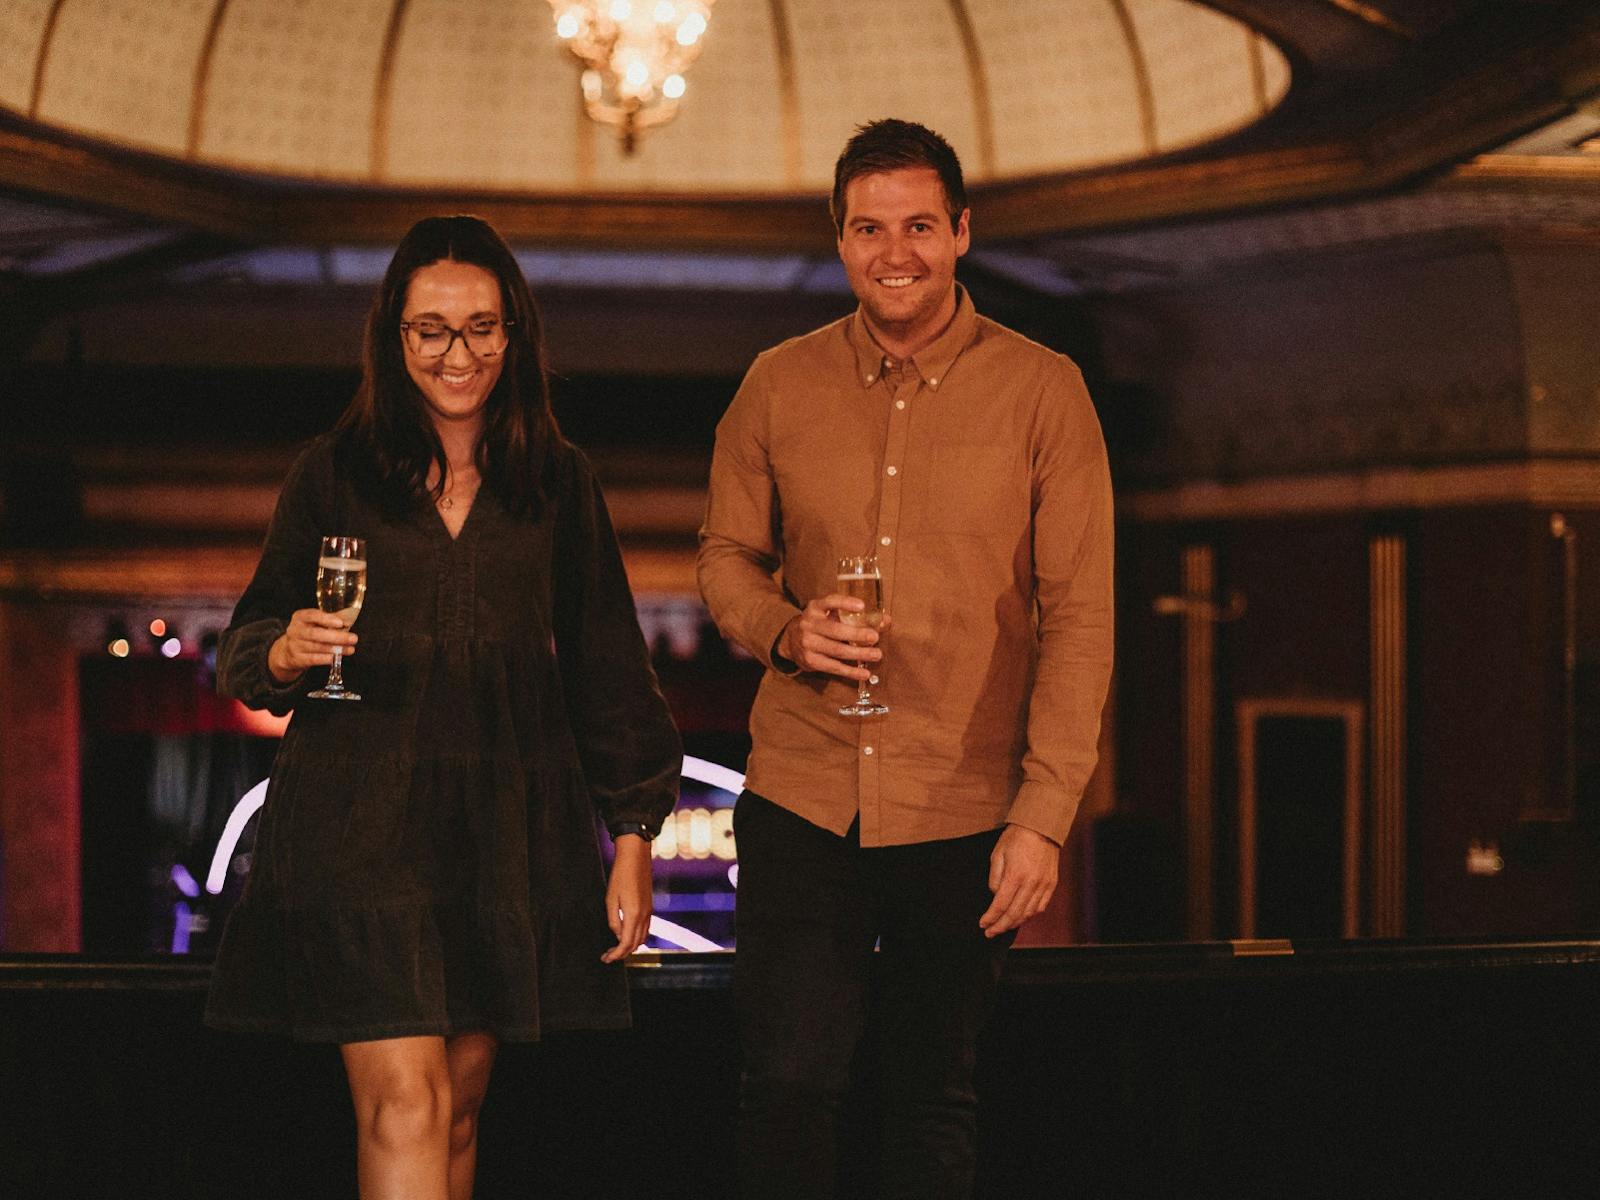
(439, 520)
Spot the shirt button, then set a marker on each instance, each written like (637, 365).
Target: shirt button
(869, 378)
(933, 383)
(897, 403)
(885, 540)
(894, 470)
(866, 750)
(872, 679)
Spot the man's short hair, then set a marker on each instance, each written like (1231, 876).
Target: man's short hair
(891, 145)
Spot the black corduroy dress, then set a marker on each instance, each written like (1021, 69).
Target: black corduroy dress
(427, 860)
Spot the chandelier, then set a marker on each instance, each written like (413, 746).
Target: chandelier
(634, 53)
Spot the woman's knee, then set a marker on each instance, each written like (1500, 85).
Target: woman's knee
(407, 1112)
(463, 1130)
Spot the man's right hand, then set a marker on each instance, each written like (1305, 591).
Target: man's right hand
(816, 640)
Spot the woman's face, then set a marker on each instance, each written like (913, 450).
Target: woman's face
(456, 384)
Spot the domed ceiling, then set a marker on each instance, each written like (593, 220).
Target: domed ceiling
(481, 95)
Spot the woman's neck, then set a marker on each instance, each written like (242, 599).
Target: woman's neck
(460, 442)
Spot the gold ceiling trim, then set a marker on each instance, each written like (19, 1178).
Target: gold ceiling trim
(978, 80)
(1141, 74)
(202, 79)
(583, 145)
(383, 93)
(788, 93)
(46, 38)
(1372, 15)
(1258, 72)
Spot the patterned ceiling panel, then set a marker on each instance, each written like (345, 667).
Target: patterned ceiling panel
(479, 94)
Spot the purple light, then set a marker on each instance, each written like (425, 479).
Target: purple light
(171, 648)
(184, 880)
(180, 927)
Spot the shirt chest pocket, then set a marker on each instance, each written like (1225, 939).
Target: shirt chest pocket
(974, 490)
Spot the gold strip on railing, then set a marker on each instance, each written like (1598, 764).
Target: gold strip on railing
(1199, 723)
(1387, 569)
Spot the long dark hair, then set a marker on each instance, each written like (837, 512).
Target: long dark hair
(386, 431)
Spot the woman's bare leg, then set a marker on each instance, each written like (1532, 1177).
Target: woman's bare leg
(470, 1057)
(401, 1090)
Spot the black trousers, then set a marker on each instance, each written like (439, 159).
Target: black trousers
(811, 907)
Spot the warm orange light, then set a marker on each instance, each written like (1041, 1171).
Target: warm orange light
(158, 628)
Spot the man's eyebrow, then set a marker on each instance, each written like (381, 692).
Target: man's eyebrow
(866, 219)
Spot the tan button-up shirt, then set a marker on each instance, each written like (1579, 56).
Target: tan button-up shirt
(976, 472)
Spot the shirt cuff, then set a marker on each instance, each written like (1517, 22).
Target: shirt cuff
(770, 623)
(634, 827)
(1046, 810)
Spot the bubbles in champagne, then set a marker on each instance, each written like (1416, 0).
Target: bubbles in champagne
(869, 590)
(341, 586)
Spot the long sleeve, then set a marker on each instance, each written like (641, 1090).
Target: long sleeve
(284, 580)
(627, 742)
(741, 540)
(1072, 550)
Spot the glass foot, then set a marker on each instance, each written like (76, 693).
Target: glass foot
(326, 694)
(865, 707)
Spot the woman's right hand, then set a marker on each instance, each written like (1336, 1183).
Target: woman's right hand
(308, 642)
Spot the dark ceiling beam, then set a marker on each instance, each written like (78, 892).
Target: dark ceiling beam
(34, 301)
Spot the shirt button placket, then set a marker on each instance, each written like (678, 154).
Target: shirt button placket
(872, 730)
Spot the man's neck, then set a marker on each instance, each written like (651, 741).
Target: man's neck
(903, 343)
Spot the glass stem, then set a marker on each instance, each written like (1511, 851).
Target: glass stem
(861, 688)
(336, 675)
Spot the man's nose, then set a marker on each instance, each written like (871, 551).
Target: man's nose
(898, 249)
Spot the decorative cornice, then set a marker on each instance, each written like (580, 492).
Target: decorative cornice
(1544, 483)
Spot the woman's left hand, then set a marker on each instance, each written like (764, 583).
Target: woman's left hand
(628, 896)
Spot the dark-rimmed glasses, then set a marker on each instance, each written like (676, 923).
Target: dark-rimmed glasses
(485, 338)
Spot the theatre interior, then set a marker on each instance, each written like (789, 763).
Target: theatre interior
(1329, 921)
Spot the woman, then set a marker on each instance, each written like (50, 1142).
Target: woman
(427, 880)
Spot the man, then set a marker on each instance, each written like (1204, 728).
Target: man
(970, 462)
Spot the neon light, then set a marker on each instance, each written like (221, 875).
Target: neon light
(180, 928)
(676, 935)
(715, 774)
(185, 881)
(231, 833)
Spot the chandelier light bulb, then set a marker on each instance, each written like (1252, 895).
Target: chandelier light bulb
(635, 54)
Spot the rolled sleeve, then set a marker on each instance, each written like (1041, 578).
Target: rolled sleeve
(741, 539)
(1073, 557)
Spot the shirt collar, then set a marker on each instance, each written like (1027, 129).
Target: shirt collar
(933, 361)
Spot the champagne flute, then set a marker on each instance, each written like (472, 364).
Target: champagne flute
(859, 579)
(341, 587)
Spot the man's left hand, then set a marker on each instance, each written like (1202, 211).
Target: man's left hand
(1022, 876)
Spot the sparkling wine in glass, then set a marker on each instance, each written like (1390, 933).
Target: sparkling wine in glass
(859, 579)
(341, 586)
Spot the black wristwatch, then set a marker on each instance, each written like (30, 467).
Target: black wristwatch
(634, 827)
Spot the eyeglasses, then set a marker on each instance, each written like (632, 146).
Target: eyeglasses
(485, 338)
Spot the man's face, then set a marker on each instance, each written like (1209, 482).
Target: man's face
(899, 251)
